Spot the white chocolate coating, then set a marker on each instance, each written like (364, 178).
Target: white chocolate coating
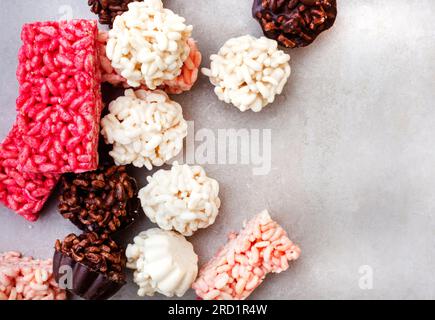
(148, 44)
(146, 128)
(249, 72)
(182, 199)
(164, 262)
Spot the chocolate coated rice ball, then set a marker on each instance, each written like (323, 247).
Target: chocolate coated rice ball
(295, 23)
(103, 201)
(108, 10)
(96, 264)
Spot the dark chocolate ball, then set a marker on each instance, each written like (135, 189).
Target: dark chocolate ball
(294, 23)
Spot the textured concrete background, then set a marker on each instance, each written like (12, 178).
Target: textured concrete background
(353, 174)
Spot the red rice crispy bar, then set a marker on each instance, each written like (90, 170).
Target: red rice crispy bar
(59, 104)
(25, 193)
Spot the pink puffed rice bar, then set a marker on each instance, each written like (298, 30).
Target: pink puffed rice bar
(25, 193)
(184, 82)
(262, 247)
(22, 278)
(59, 104)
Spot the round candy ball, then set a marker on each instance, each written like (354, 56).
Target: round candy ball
(295, 23)
(146, 128)
(249, 72)
(183, 199)
(148, 44)
(163, 262)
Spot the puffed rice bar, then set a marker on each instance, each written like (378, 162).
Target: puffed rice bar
(23, 278)
(59, 103)
(25, 193)
(262, 247)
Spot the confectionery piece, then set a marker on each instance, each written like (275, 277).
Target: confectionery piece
(183, 199)
(24, 193)
(189, 72)
(243, 263)
(108, 10)
(23, 278)
(102, 201)
(146, 128)
(163, 262)
(148, 44)
(295, 23)
(96, 263)
(59, 103)
(184, 82)
(249, 72)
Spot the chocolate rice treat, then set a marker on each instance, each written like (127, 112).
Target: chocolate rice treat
(108, 10)
(295, 23)
(96, 263)
(104, 201)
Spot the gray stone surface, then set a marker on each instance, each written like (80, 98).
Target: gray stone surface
(352, 163)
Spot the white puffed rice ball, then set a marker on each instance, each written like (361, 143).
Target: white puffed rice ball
(146, 128)
(148, 44)
(164, 262)
(182, 199)
(249, 72)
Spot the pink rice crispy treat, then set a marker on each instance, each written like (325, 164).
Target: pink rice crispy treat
(59, 104)
(184, 82)
(25, 193)
(262, 247)
(22, 278)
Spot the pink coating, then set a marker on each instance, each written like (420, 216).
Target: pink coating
(25, 193)
(189, 72)
(59, 103)
(262, 247)
(184, 82)
(23, 278)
